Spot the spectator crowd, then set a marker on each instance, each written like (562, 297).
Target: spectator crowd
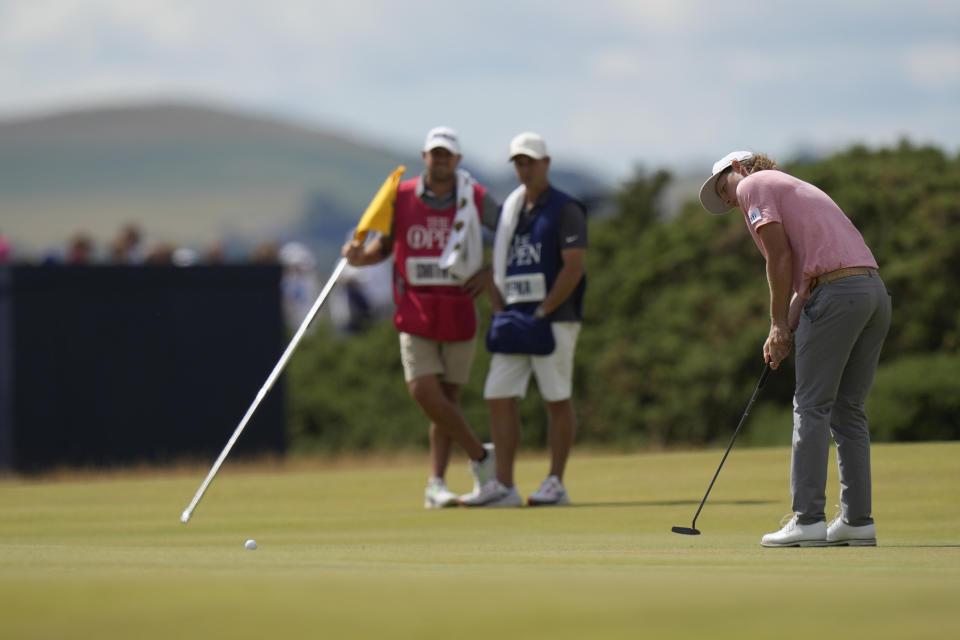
(362, 295)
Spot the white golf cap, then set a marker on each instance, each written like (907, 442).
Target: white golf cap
(444, 137)
(528, 144)
(709, 198)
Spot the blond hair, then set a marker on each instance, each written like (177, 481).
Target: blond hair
(758, 162)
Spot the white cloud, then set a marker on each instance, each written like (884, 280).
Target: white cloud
(42, 23)
(657, 15)
(934, 66)
(616, 63)
(615, 81)
(29, 23)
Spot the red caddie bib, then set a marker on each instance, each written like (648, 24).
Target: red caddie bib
(429, 301)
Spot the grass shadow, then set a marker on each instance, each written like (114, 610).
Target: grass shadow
(918, 546)
(665, 503)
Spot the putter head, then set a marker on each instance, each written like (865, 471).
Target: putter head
(185, 516)
(687, 531)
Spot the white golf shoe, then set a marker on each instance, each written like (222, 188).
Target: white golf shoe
(437, 496)
(794, 534)
(551, 492)
(839, 534)
(492, 494)
(484, 471)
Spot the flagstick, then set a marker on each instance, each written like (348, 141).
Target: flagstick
(271, 379)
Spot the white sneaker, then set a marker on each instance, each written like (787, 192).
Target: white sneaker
(794, 534)
(492, 494)
(839, 534)
(437, 496)
(484, 471)
(551, 492)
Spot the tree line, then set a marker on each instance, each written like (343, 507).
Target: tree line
(676, 315)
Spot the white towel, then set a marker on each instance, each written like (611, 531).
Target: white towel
(506, 225)
(463, 254)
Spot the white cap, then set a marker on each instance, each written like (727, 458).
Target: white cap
(528, 144)
(444, 137)
(709, 198)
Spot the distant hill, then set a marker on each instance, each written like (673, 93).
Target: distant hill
(194, 175)
(187, 174)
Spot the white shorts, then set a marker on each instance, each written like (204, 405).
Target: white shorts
(510, 374)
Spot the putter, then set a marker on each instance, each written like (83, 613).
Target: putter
(692, 529)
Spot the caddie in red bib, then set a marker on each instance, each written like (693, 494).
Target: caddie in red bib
(431, 226)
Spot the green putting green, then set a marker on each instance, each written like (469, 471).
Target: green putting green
(347, 551)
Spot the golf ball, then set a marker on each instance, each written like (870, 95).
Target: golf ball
(250, 544)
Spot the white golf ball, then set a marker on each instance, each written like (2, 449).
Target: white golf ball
(250, 544)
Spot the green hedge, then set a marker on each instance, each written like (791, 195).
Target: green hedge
(916, 398)
(676, 316)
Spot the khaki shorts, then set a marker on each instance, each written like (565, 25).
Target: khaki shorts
(510, 374)
(424, 357)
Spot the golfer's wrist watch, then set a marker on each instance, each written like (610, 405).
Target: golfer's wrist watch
(539, 312)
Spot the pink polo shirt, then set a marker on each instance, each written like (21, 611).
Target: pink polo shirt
(821, 236)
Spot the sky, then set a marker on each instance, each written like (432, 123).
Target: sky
(612, 85)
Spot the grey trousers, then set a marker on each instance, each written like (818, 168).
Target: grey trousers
(837, 343)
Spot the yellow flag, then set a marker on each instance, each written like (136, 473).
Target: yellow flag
(379, 213)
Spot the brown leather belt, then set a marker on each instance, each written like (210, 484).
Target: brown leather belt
(840, 273)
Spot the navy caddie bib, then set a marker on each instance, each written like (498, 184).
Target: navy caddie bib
(533, 257)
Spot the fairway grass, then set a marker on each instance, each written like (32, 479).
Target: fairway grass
(347, 551)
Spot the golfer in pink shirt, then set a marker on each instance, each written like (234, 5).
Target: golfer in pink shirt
(827, 299)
